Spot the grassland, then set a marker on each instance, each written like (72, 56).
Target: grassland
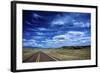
(64, 53)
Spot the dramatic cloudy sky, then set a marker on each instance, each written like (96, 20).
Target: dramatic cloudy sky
(45, 29)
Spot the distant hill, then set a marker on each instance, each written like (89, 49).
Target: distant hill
(64, 47)
(76, 47)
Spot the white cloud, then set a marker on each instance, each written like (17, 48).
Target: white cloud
(81, 24)
(36, 15)
(27, 22)
(52, 43)
(70, 35)
(42, 29)
(76, 33)
(39, 29)
(37, 37)
(61, 20)
(39, 33)
(67, 20)
(24, 40)
(72, 38)
(60, 37)
(30, 42)
(58, 22)
(88, 24)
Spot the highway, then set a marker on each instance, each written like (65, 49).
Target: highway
(40, 57)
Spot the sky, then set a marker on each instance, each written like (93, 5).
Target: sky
(48, 29)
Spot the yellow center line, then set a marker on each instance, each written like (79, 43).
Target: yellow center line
(38, 58)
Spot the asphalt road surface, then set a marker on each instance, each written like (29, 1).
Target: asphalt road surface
(40, 57)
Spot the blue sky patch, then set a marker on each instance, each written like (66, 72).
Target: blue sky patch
(46, 29)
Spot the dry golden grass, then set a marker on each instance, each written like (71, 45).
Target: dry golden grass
(69, 54)
(27, 52)
(61, 53)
